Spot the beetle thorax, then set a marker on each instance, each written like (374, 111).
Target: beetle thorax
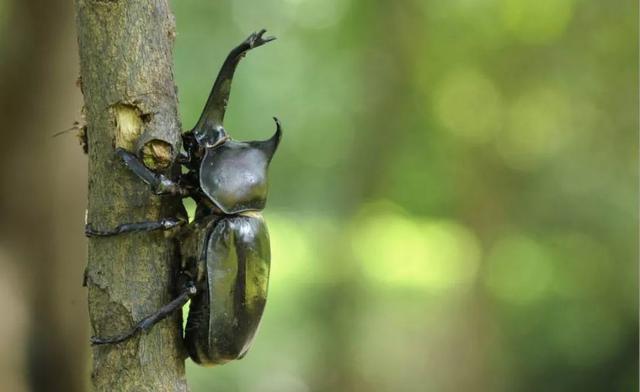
(234, 176)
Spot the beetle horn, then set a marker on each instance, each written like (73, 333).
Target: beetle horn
(269, 146)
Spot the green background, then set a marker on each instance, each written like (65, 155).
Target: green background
(453, 205)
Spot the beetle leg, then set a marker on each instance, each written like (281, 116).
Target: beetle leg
(192, 149)
(183, 159)
(164, 224)
(148, 322)
(213, 114)
(159, 183)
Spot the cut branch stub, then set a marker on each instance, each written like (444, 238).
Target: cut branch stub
(135, 131)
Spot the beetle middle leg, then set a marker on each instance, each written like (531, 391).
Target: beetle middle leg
(160, 185)
(146, 323)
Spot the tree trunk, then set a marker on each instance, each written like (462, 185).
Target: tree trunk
(130, 102)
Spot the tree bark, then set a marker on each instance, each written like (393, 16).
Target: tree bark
(130, 102)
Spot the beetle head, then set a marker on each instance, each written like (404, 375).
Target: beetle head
(210, 137)
(234, 174)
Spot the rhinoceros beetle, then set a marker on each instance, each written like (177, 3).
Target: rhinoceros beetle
(224, 252)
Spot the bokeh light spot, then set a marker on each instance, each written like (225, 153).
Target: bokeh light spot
(190, 207)
(278, 382)
(538, 21)
(519, 270)
(469, 105)
(316, 14)
(292, 259)
(252, 15)
(411, 252)
(539, 124)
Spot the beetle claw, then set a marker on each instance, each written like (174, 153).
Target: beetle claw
(255, 39)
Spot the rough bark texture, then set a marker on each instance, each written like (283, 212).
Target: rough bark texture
(130, 102)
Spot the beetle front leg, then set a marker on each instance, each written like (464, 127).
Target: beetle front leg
(148, 322)
(159, 184)
(163, 224)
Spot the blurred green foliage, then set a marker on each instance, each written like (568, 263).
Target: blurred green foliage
(453, 206)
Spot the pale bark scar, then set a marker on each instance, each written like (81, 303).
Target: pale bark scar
(156, 154)
(129, 126)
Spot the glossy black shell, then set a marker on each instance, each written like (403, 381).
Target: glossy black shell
(232, 289)
(234, 176)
